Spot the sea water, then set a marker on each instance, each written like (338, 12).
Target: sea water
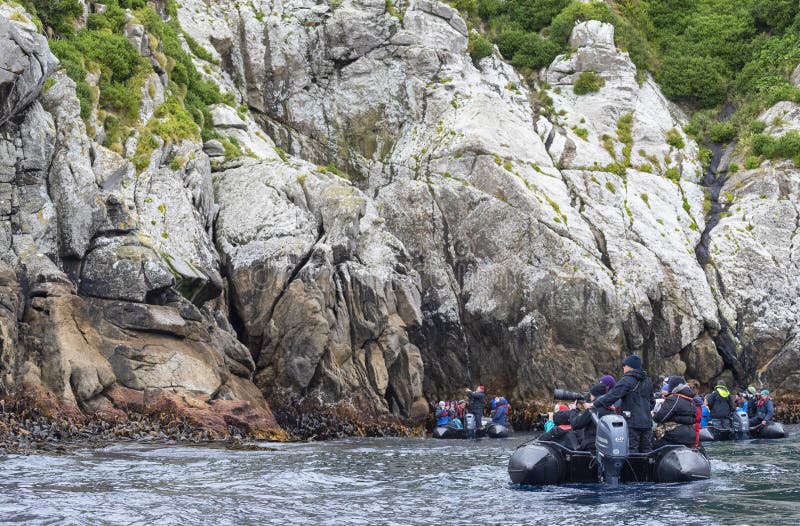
(399, 481)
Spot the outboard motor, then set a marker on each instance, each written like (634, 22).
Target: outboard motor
(741, 425)
(612, 446)
(471, 425)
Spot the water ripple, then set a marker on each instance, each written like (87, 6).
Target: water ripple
(379, 481)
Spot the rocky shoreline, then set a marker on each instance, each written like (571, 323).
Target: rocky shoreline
(41, 425)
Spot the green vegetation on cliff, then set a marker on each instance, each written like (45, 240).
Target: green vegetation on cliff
(705, 54)
(102, 49)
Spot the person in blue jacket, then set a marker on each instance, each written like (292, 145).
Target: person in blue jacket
(705, 416)
(764, 409)
(499, 410)
(442, 415)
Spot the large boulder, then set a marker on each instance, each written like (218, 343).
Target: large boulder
(324, 293)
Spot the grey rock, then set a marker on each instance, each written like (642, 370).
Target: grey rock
(314, 272)
(25, 63)
(10, 310)
(122, 268)
(214, 148)
(226, 117)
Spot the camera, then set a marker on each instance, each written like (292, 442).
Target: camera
(563, 394)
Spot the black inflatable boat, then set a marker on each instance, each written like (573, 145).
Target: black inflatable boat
(538, 463)
(740, 430)
(499, 431)
(454, 432)
(773, 430)
(468, 431)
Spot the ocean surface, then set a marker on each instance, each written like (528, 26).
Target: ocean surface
(399, 481)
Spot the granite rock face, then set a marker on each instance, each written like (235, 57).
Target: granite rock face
(401, 223)
(536, 256)
(92, 309)
(324, 294)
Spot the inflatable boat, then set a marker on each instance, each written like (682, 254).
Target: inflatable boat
(539, 463)
(468, 431)
(740, 430)
(457, 433)
(499, 431)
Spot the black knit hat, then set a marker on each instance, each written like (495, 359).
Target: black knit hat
(561, 418)
(675, 381)
(633, 361)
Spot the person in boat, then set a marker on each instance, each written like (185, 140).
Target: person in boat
(608, 382)
(764, 409)
(561, 432)
(461, 410)
(499, 411)
(636, 392)
(452, 410)
(678, 419)
(705, 414)
(662, 394)
(584, 421)
(700, 402)
(442, 414)
(476, 401)
(749, 405)
(721, 406)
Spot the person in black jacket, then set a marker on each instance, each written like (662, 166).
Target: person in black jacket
(585, 421)
(562, 433)
(721, 405)
(476, 400)
(636, 391)
(677, 416)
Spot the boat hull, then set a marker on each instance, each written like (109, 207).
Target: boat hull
(541, 463)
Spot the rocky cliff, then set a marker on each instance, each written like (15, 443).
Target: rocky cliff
(395, 223)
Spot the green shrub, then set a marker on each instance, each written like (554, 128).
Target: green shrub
(776, 14)
(466, 7)
(704, 156)
(695, 79)
(722, 132)
(479, 47)
(752, 162)
(786, 146)
(674, 139)
(84, 93)
(588, 82)
(113, 19)
(56, 15)
(757, 126)
(172, 122)
(526, 49)
(116, 56)
(198, 50)
(121, 70)
(673, 174)
(200, 93)
(532, 15)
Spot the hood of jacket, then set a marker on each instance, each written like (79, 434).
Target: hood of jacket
(683, 389)
(637, 374)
